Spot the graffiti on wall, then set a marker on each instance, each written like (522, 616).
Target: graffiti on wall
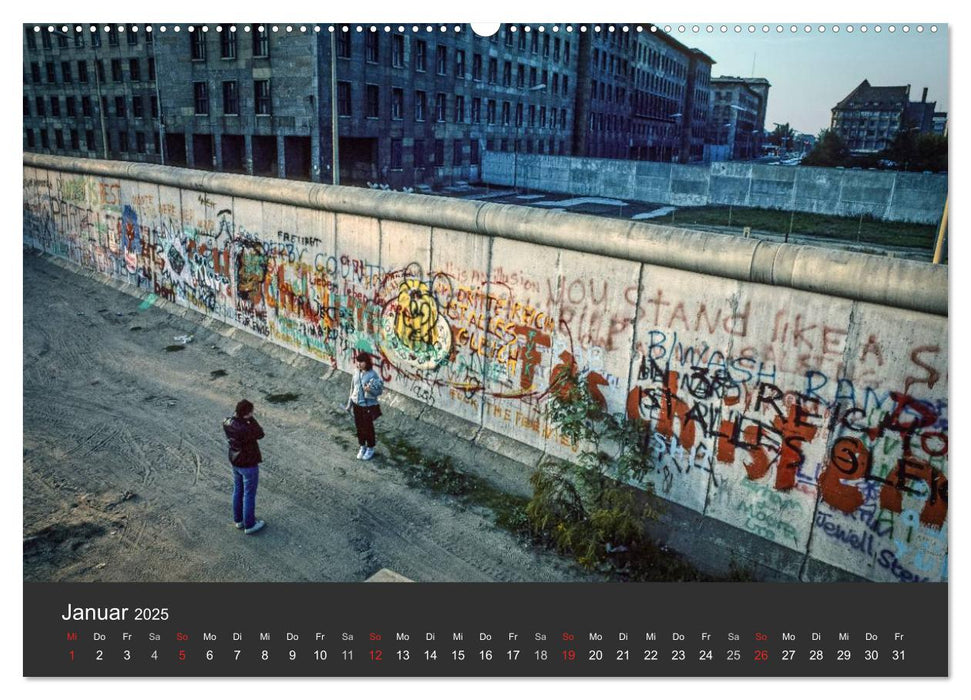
(812, 434)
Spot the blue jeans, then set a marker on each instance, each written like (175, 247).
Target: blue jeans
(245, 481)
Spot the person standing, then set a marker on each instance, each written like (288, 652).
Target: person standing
(243, 433)
(366, 386)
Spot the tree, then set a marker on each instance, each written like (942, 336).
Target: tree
(829, 152)
(783, 136)
(912, 150)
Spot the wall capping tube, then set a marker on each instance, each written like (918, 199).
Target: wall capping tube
(892, 282)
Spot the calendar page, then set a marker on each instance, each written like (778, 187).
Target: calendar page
(485, 350)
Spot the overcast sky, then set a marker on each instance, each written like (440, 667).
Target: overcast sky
(810, 73)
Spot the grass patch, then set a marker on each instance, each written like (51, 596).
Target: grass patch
(439, 475)
(217, 373)
(282, 398)
(174, 348)
(865, 229)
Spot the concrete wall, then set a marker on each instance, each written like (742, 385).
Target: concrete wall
(885, 195)
(799, 397)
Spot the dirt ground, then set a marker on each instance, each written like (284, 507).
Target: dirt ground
(126, 476)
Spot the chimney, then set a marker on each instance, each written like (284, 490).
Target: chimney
(923, 98)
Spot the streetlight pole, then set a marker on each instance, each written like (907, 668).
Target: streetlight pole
(334, 154)
(515, 145)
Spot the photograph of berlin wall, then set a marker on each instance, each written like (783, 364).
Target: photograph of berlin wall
(640, 302)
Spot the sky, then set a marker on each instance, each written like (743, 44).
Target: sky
(811, 72)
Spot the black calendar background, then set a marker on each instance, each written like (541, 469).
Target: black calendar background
(505, 630)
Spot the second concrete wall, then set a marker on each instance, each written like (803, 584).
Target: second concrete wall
(884, 195)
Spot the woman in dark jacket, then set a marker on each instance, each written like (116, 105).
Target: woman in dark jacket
(243, 433)
(366, 386)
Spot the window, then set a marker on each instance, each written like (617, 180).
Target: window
(493, 70)
(31, 39)
(35, 72)
(66, 71)
(261, 42)
(460, 63)
(509, 36)
(566, 85)
(556, 83)
(100, 66)
(85, 105)
(542, 117)
(132, 33)
(44, 138)
(534, 42)
(491, 112)
(89, 139)
(82, 71)
(420, 106)
(201, 95)
(522, 41)
(123, 141)
(30, 138)
(344, 44)
(113, 37)
(120, 109)
(398, 50)
(149, 36)
(507, 73)
(563, 118)
(59, 138)
(261, 93)
(140, 142)
(51, 75)
(137, 107)
(344, 99)
(116, 70)
(476, 66)
(397, 104)
(227, 42)
(45, 39)
(532, 77)
(372, 101)
(476, 110)
(421, 55)
(418, 153)
(546, 45)
(556, 49)
(532, 115)
(230, 97)
(154, 103)
(75, 140)
(197, 39)
(505, 114)
(519, 114)
(134, 69)
(456, 152)
(71, 105)
(440, 107)
(441, 60)
(460, 108)
(396, 154)
(371, 47)
(439, 152)
(474, 151)
(151, 68)
(55, 106)
(26, 106)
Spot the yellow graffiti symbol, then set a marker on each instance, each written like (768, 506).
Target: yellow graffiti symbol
(416, 317)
